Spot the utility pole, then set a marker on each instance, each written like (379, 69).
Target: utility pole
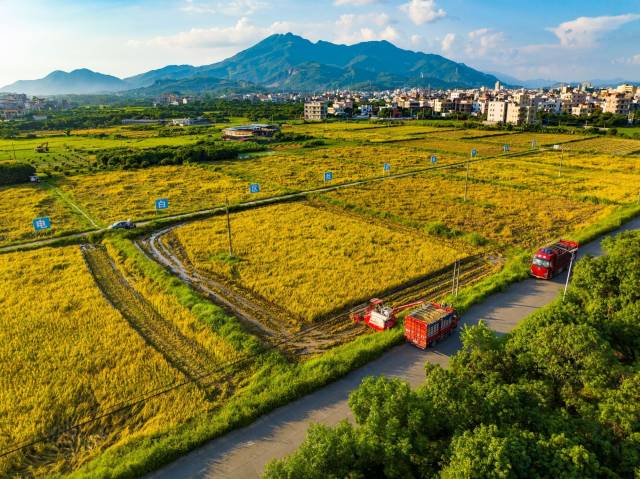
(561, 158)
(453, 280)
(566, 284)
(229, 228)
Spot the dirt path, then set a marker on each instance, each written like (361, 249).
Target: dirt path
(243, 453)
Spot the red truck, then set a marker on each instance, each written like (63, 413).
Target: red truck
(553, 259)
(429, 324)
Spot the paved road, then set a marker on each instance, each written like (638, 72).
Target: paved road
(243, 453)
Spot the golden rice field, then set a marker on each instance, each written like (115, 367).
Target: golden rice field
(23, 203)
(362, 132)
(308, 260)
(594, 178)
(611, 146)
(506, 215)
(523, 141)
(121, 195)
(65, 353)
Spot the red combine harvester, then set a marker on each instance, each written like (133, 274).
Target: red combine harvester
(378, 316)
(553, 259)
(429, 324)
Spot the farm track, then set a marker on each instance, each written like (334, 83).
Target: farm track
(180, 352)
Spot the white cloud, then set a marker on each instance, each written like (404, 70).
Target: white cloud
(484, 41)
(351, 28)
(416, 40)
(583, 32)
(447, 42)
(232, 7)
(635, 59)
(242, 33)
(353, 3)
(423, 11)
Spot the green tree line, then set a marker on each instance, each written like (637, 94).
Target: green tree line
(12, 173)
(558, 397)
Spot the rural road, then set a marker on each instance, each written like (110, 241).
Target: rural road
(243, 453)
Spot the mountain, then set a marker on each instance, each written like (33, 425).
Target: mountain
(170, 72)
(82, 81)
(195, 85)
(287, 61)
(533, 83)
(283, 62)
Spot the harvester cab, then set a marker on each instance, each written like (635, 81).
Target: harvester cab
(378, 316)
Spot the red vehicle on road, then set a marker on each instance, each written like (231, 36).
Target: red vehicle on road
(429, 324)
(553, 259)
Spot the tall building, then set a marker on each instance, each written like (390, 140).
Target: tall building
(617, 103)
(315, 111)
(520, 114)
(497, 111)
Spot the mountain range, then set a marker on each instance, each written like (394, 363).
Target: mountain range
(279, 62)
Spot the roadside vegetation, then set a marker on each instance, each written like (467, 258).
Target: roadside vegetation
(557, 397)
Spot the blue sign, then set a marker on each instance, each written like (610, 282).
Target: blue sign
(254, 188)
(40, 224)
(328, 175)
(387, 167)
(505, 148)
(474, 152)
(162, 203)
(433, 159)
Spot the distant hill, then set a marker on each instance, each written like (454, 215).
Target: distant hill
(194, 85)
(82, 81)
(287, 61)
(282, 62)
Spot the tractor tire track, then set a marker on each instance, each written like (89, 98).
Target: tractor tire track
(182, 353)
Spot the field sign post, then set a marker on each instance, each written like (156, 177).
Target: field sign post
(328, 176)
(534, 143)
(387, 168)
(226, 204)
(505, 148)
(41, 224)
(162, 204)
(434, 159)
(254, 188)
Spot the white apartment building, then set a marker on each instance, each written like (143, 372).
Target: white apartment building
(315, 111)
(617, 103)
(520, 114)
(497, 112)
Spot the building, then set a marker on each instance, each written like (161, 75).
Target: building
(315, 111)
(249, 132)
(497, 112)
(189, 121)
(617, 103)
(520, 114)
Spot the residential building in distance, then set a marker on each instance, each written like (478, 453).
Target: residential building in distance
(315, 111)
(518, 114)
(497, 112)
(617, 103)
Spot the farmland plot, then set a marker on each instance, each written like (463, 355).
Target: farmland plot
(23, 203)
(611, 146)
(503, 214)
(118, 195)
(66, 353)
(310, 261)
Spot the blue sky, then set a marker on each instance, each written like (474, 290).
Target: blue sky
(560, 39)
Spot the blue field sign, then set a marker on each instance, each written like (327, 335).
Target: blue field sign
(162, 203)
(254, 188)
(328, 175)
(434, 159)
(474, 153)
(505, 148)
(40, 224)
(387, 167)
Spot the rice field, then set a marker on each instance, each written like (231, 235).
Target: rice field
(308, 260)
(23, 203)
(608, 145)
(65, 353)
